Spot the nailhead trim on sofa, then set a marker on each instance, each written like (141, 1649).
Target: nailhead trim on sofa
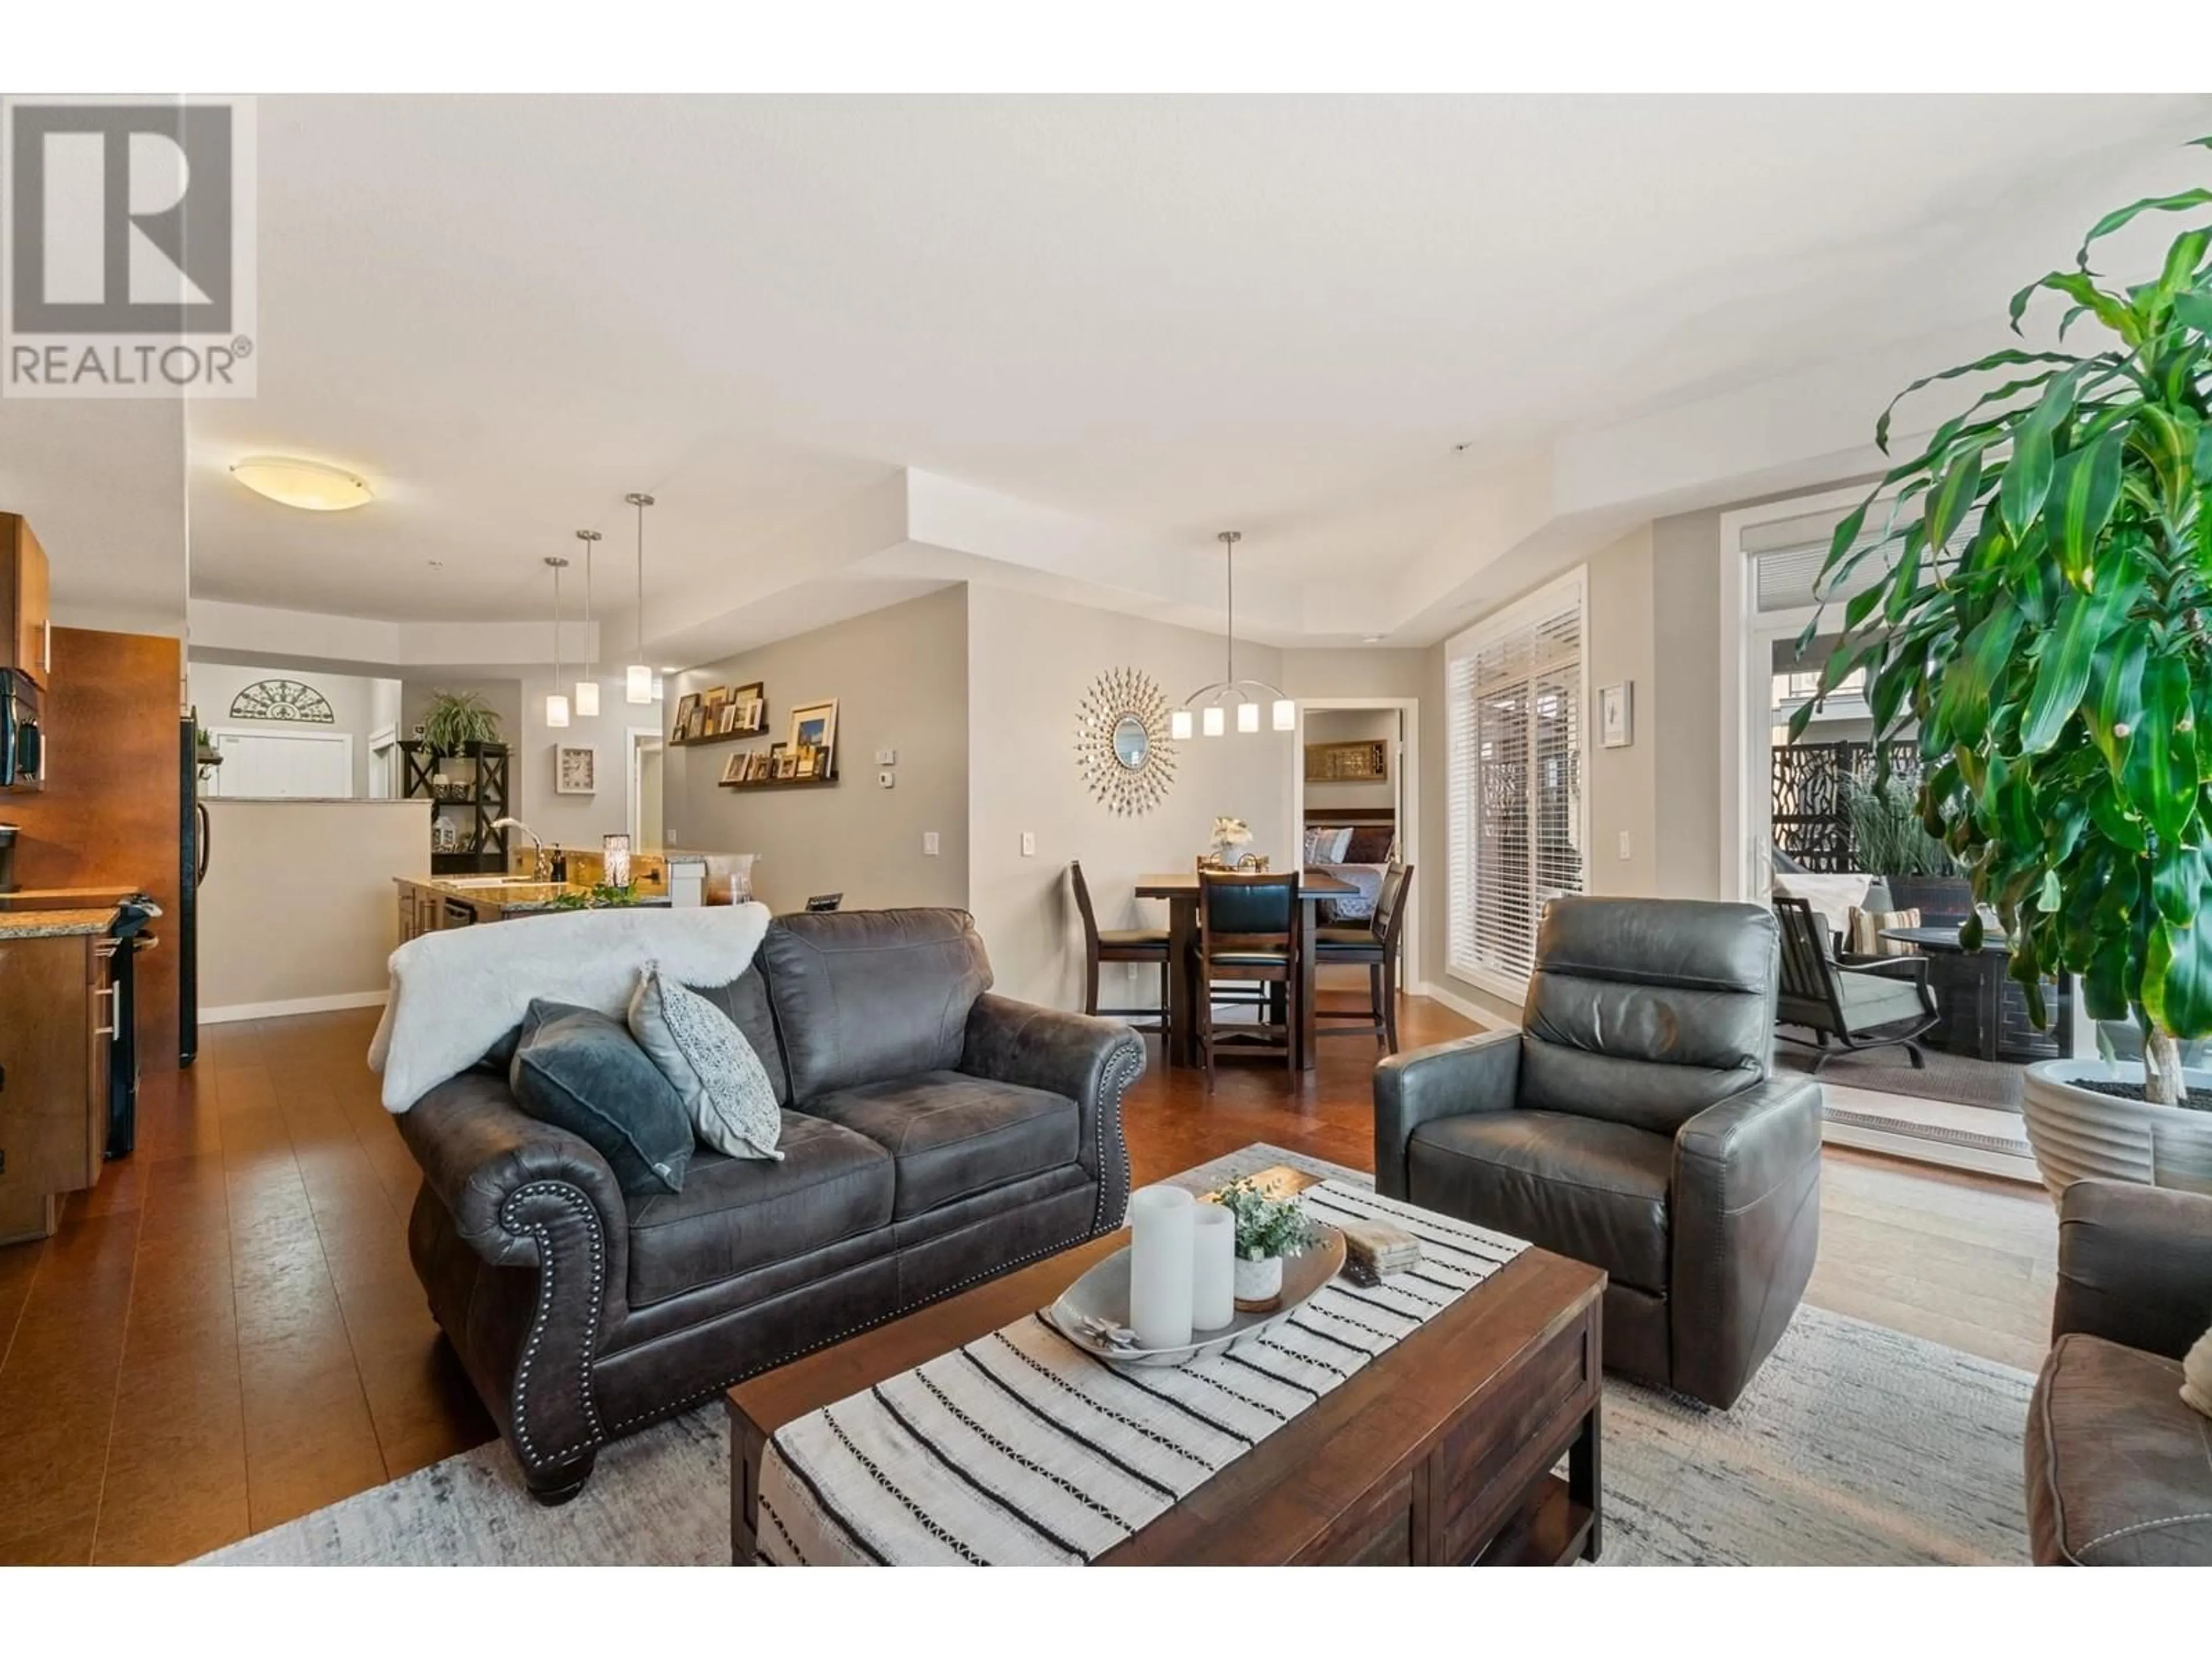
(574, 1199)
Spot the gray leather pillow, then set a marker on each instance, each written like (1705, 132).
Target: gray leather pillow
(706, 1059)
(580, 1070)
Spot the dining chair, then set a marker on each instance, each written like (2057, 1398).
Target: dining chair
(1248, 930)
(1131, 944)
(1374, 944)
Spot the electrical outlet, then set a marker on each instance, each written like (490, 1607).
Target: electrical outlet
(929, 843)
(887, 757)
(1625, 853)
(887, 779)
(1029, 843)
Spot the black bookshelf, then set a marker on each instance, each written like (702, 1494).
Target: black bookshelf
(485, 799)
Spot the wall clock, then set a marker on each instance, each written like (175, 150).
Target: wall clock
(283, 700)
(1122, 745)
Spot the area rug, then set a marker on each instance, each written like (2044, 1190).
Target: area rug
(1855, 1445)
(1960, 1078)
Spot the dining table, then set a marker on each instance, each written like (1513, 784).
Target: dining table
(1180, 890)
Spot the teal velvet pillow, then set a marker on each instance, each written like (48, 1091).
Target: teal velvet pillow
(581, 1071)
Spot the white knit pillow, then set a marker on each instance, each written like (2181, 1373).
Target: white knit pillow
(700, 1049)
(2197, 1375)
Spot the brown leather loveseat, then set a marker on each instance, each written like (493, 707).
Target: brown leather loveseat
(2119, 1467)
(934, 1134)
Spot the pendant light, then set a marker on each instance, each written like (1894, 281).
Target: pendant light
(637, 679)
(588, 688)
(556, 701)
(1208, 708)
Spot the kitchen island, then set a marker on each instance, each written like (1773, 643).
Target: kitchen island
(429, 904)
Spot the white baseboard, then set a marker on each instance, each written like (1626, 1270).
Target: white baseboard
(1459, 1005)
(238, 1011)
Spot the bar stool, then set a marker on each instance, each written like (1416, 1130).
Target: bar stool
(1132, 944)
(1377, 946)
(1247, 929)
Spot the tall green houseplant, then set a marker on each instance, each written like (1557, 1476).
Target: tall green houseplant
(2041, 613)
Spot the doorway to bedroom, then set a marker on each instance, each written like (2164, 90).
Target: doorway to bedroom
(1355, 805)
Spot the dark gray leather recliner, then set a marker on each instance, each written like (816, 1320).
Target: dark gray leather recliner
(1632, 1123)
(933, 1136)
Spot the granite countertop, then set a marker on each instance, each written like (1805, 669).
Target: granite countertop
(54, 924)
(524, 895)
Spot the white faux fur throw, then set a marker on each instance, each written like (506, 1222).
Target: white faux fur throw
(455, 994)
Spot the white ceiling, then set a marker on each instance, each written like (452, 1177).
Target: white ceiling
(1160, 317)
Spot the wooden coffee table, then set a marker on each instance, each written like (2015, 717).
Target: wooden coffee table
(1439, 1452)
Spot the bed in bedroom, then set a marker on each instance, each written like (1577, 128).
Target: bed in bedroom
(1354, 846)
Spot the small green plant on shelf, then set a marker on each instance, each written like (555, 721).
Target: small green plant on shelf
(1266, 1227)
(458, 719)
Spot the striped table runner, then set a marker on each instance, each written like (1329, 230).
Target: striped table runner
(1023, 1450)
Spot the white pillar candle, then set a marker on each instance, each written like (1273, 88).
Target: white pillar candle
(1160, 1260)
(1213, 1296)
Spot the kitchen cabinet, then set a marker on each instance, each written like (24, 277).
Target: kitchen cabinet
(57, 1017)
(27, 628)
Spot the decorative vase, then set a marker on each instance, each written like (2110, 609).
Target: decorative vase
(1161, 1265)
(1259, 1284)
(2081, 1133)
(1213, 1294)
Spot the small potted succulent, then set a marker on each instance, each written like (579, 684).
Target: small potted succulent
(1268, 1230)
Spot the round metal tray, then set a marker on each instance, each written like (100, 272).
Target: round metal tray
(1103, 1293)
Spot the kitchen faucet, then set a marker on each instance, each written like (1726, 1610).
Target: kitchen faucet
(541, 868)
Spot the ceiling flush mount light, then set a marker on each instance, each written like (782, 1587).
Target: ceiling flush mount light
(587, 689)
(557, 702)
(312, 486)
(1207, 708)
(637, 678)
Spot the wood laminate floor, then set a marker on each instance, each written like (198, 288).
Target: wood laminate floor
(226, 1333)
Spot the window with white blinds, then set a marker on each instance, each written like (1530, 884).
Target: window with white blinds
(1516, 694)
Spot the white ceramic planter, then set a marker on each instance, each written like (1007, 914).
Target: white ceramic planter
(2080, 1135)
(1259, 1284)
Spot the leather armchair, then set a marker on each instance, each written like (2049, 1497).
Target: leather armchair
(1632, 1122)
(2117, 1473)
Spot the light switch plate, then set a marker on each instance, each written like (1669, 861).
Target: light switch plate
(929, 843)
(1029, 843)
(1625, 853)
(887, 757)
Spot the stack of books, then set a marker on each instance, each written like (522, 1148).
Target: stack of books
(1373, 1248)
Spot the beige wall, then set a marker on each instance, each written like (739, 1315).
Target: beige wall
(1686, 629)
(360, 705)
(900, 675)
(1029, 662)
(298, 905)
(1324, 726)
(1622, 780)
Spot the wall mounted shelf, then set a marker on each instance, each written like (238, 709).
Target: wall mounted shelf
(782, 783)
(703, 742)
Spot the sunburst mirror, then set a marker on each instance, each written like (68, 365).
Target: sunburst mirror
(1122, 743)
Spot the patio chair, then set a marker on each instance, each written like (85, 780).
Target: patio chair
(1874, 1004)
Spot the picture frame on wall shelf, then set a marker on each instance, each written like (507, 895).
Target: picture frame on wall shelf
(814, 725)
(734, 769)
(779, 761)
(751, 691)
(686, 706)
(755, 718)
(821, 763)
(576, 769)
(725, 719)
